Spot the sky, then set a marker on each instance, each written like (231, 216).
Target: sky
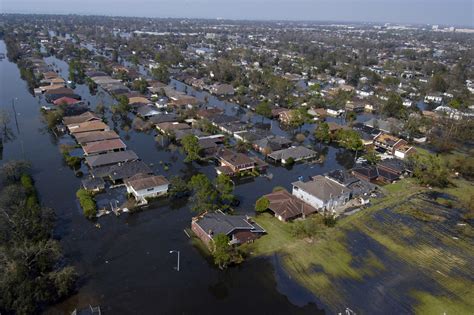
(443, 12)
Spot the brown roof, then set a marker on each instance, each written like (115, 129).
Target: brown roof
(94, 125)
(171, 126)
(138, 99)
(144, 181)
(50, 75)
(103, 146)
(59, 90)
(287, 206)
(234, 158)
(87, 116)
(93, 136)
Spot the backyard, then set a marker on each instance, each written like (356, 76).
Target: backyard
(415, 244)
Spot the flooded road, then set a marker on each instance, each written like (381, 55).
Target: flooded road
(125, 266)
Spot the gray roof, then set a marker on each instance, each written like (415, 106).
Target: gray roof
(122, 171)
(322, 188)
(111, 158)
(296, 153)
(220, 223)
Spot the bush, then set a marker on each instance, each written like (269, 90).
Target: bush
(262, 204)
(87, 202)
(290, 161)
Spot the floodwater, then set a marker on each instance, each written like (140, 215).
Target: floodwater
(125, 266)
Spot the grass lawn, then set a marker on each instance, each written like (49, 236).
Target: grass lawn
(420, 241)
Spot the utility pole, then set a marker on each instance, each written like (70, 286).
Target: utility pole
(177, 252)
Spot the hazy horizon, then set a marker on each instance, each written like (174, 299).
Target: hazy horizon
(443, 12)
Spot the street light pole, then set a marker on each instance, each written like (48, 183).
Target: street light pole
(177, 252)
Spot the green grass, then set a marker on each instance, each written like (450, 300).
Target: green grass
(319, 263)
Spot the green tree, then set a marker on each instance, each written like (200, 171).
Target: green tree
(178, 187)
(161, 73)
(264, 109)
(191, 147)
(429, 170)
(205, 195)
(262, 204)
(349, 139)
(394, 106)
(140, 85)
(221, 251)
(371, 156)
(225, 188)
(322, 133)
(87, 202)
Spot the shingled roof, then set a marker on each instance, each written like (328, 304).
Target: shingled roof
(286, 206)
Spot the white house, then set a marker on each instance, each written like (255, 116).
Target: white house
(143, 186)
(322, 193)
(437, 99)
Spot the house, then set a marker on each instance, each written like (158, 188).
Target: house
(395, 166)
(286, 206)
(285, 116)
(66, 101)
(222, 89)
(270, 144)
(147, 111)
(171, 127)
(233, 163)
(88, 126)
(433, 98)
(206, 113)
(84, 117)
(319, 113)
(403, 151)
(144, 186)
(104, 146)
(359, 188)
(238, 228)
(334, 112)
(93, 184)
(294, 154)
(110, 158)
(117, 173)
(93, 136)
(389, 142)
(322, 193)
(372, 173)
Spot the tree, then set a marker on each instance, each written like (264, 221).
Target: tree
(264, 109)
(140, 85)
(221, 251)
(87, 202)
(242, 146)
(429, 170)
(191, 147)
(32, 268)
(394, 106)
(262, 204)
(351, 117)
(297, 118)
(349, 139)
(205, 195)
(438, 84)
(178, 187)
(371, 156)
(225, 188)
(322, 133)
(161, 73)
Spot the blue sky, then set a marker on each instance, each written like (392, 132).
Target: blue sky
(449, 12)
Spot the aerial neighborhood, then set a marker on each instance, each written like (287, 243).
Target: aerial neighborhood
(247, 126)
